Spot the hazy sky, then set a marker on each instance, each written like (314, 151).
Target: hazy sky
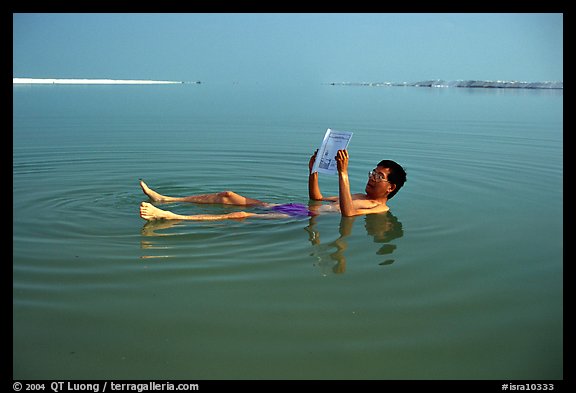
(315, 48)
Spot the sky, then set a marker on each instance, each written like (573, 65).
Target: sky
(290, 48)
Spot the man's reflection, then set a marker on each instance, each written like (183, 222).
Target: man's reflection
(383, 227)
(149, 231)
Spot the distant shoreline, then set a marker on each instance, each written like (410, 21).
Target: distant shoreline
(438, 83)
(53, 81)
(484, 84)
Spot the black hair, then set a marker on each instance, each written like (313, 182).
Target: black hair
(396, 176)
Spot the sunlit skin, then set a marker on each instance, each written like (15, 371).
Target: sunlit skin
(372, 201)
(151, 212)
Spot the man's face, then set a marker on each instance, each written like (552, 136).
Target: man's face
(378, 185)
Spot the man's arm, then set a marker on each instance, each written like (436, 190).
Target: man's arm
(344, 196)
(313, 187)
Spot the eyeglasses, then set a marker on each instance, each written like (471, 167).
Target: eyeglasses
(377, 176)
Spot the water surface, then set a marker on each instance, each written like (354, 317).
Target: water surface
(462, 280)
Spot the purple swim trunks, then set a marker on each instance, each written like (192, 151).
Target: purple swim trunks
(293, 209)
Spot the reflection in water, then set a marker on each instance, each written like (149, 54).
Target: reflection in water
(149, 230)
(383, 228)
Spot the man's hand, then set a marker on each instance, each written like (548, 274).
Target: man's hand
(342, 161)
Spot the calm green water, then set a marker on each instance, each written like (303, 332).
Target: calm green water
(463, 280)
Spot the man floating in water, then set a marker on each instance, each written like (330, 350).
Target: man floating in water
(384, 182)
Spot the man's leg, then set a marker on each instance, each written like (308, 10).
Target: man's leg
(225, 198)
(150, 212)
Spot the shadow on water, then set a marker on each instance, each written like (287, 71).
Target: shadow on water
(383, 227)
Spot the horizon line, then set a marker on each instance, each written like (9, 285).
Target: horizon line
(87, 81)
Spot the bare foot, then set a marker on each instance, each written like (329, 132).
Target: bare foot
(152, 194)
(150, 212)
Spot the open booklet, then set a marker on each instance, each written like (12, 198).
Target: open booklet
(325, 158)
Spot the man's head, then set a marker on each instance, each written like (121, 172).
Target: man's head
(386, 179)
